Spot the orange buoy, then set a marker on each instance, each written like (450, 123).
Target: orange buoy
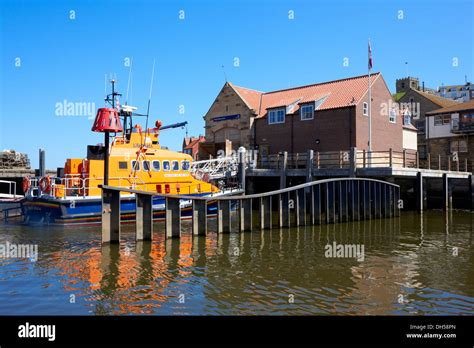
(45, 184)
(26, 184)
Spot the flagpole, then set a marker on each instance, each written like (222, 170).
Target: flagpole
(369, 109)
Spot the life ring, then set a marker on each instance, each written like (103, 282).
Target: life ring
(26, 184)
(45, 184)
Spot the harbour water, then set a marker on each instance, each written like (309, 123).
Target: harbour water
(415, 264)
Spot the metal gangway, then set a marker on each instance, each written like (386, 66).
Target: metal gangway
(217, 168)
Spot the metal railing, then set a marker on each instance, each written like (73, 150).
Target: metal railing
(365, 159)
(11, 188)
(215, 168)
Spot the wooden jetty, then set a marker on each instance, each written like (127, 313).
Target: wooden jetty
(325, 201)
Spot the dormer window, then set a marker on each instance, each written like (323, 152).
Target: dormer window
(276, 116)
(307, 112)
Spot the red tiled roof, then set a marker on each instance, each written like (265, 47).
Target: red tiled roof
(339, 93)
(193, 142)
(250, 96)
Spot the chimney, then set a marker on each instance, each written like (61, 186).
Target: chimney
(423, 84)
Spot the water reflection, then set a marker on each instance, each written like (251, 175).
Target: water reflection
(278, 271)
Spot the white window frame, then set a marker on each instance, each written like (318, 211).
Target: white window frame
(443, 118)
(189, 164)
(302, 112)
(153, 166)
(143, 166)
(169, 166)
(365, 109)
(392, 116)
(172, 165)
(457, 146)
(275, 111)
(137, 165)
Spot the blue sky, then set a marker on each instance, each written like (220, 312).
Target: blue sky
(48, 57)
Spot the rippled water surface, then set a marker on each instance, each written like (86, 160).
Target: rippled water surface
(412, 265)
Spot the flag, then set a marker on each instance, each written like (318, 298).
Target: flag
(370, 56)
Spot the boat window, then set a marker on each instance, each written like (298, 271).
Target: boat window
(175, 165)
(156, 166)
(135, 165)
(185, 165)
(146, 166)
(123, 165)
(166, 166)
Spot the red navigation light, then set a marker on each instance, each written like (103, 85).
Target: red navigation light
(107, 120)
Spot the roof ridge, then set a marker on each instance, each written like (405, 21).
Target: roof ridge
(322, 83)
(249, 89)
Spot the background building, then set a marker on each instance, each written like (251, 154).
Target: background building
(419, 103)
(450, 130)
(460, 93)
(191, 145)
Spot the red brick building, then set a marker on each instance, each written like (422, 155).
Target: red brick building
(191, 145)
(328, 116)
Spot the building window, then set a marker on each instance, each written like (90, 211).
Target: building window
(175, 165)
(135, 165)
(422, 151)
(166, 166)
(458, 146)
(442, 120)
(406, 118)
(146, 166)
(420, 125)
(366, 109)
(156, 166)
(185, 165)
(276, 116)
(123, 165)
(307, 112)
(392, 116)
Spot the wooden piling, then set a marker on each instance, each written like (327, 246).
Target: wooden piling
(284, 209)
(284, 169)
(330, 203)
(110, 216)
(396, 201)
(380, 198)
(144, 217)
(471, 190)
(265, 212)
(355, 210)
(199, 217)
(315, 205)
(419, 192)
(445, 192)
(300, 207)
(245, 215)
(366, 200)
(173, 217)
(344, 201)
(223, 216)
